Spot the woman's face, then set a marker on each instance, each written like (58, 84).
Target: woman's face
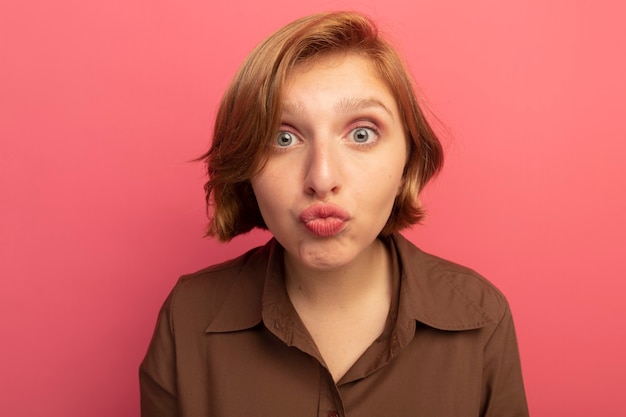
(336, 166)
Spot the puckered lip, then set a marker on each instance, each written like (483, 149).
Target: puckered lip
(323, 211)
(324, 220)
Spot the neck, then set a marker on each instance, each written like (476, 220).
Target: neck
(367, 276)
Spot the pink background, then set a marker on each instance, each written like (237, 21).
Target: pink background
(102, 103)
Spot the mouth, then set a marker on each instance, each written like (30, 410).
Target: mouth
(324, 220)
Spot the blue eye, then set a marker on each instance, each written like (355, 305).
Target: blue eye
(363, 134)
(284, 139)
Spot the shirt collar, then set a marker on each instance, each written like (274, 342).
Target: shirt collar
(243, 302)
(429, 292)
(434, 292)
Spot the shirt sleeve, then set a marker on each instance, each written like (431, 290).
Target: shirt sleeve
(504, 387)
(157, 372)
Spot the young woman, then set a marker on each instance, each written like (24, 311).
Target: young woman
(320, 139)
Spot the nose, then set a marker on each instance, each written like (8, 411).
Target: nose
(323, 171)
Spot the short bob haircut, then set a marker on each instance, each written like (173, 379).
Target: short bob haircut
(249, 117)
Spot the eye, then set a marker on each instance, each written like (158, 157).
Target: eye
(285, 139)
(363, 134)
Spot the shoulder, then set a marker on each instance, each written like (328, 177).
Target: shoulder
(233, 284)
(217, 277)
(448, 295)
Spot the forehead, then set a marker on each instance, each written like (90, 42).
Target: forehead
(331, 62)
(353, 75)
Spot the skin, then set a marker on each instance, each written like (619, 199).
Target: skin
(341, 143)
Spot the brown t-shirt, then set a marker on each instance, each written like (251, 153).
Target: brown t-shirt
(229, 343)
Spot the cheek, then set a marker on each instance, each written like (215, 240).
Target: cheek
(395, 175)
(393, 185)
(260, 191)
(383, 186)
(267, 190)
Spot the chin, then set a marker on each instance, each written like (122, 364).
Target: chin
(325, 260)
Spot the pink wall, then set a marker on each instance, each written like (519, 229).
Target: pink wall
(103, 102)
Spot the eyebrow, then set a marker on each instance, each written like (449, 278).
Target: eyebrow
(353, 104)
(345, 105)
